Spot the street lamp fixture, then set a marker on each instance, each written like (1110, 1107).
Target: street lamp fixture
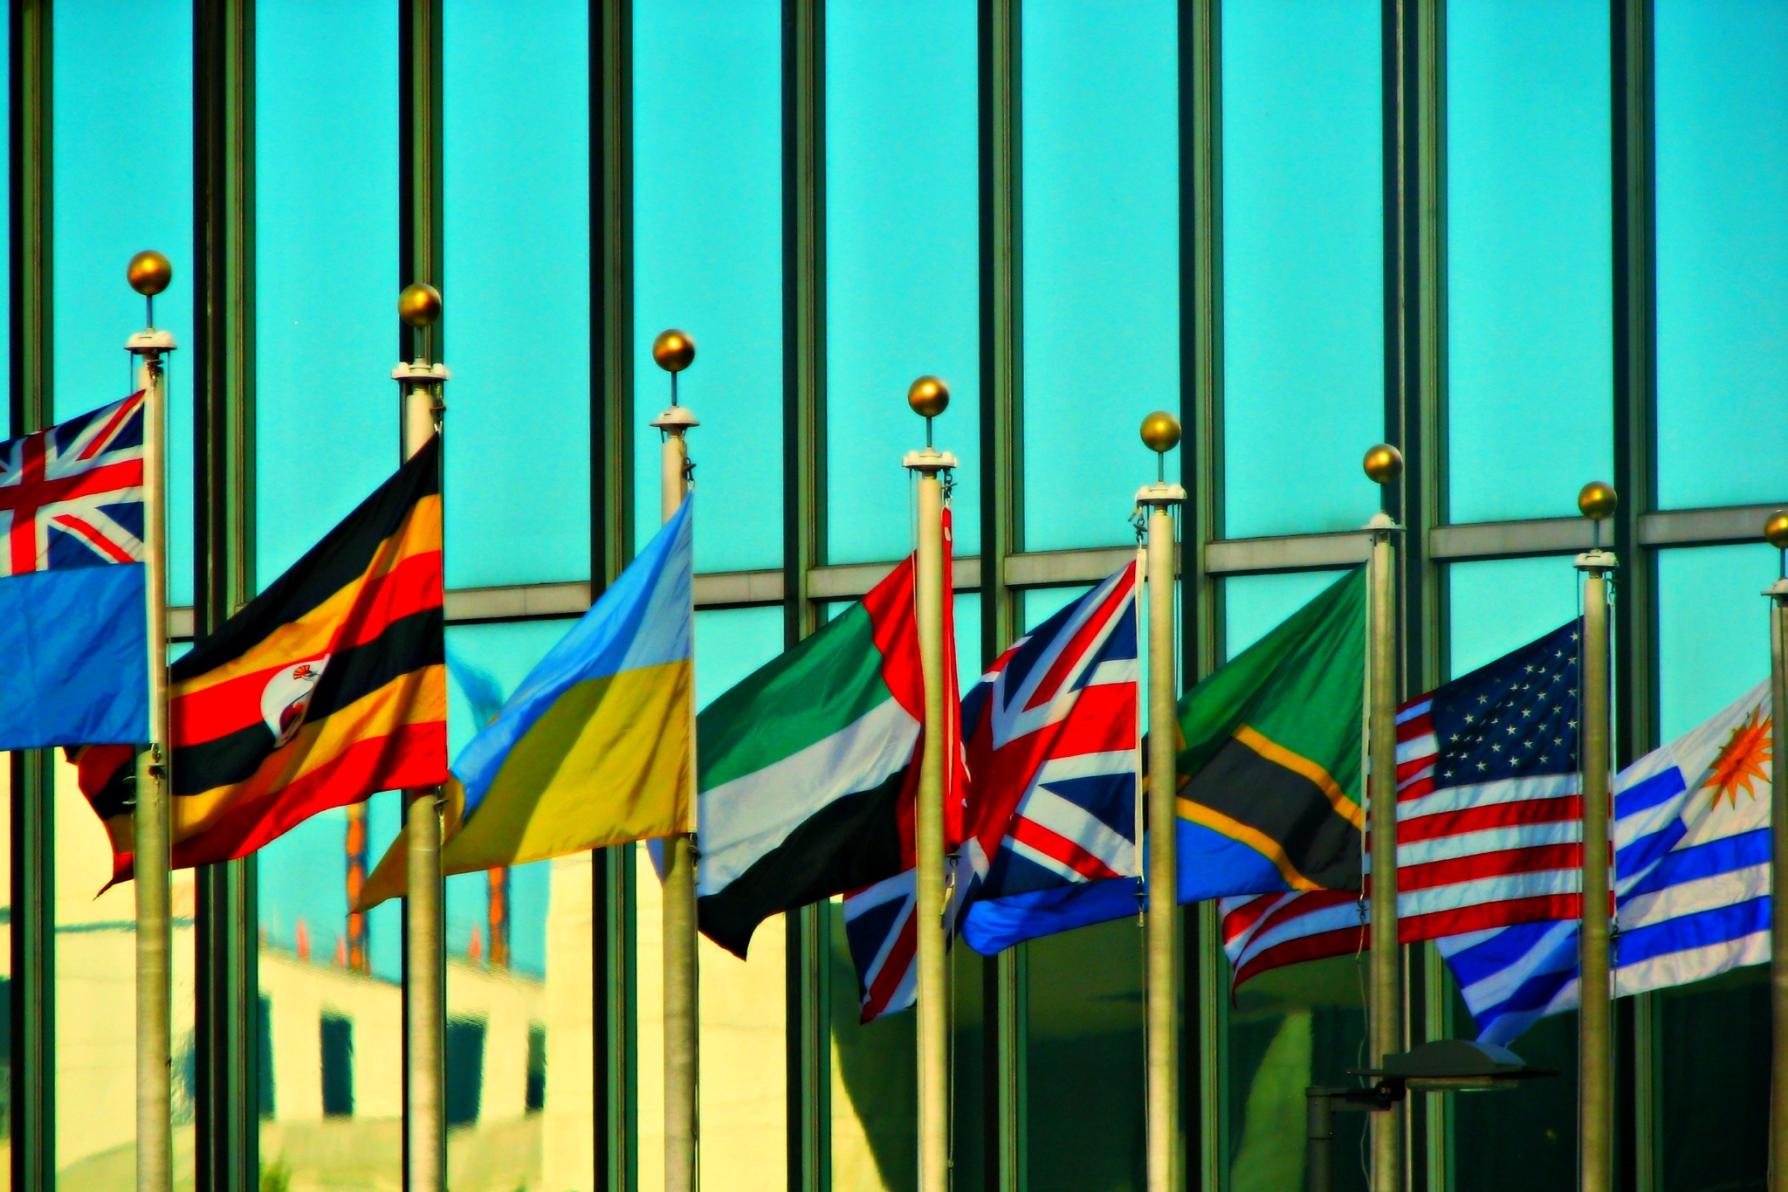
(1441, 1066)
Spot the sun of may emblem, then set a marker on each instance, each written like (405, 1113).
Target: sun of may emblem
(1743, 760)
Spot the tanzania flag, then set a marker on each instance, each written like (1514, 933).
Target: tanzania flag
(593, 747)
(808, 768)
(327, 687)
(1269, 760)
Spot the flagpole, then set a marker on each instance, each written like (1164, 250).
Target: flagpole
(1161, 433)
(929, 397)
(425, 987)
(1384, 465)
(1595, 1048)
(1775, 532)
(149, 274)
(674, 351)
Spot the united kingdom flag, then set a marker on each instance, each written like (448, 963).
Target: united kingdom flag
(1053, 753)
(73, 638)
(72, 495)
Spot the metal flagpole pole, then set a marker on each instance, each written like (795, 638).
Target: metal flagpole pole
(425, 991)
(1775, 532)
(1595, 1034)
(149, 274)
(675, 351)
(929, 397)
(1384, 465)
(1160, 433)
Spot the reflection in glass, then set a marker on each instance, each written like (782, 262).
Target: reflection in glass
(1303, 263)
(707, 243)
(1721, 109)
(1529, 243)
(1101, 265)
(902, 238)
(516, 223)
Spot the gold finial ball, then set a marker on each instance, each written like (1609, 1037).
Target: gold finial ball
(1161, 432)
(419, 305)
(1598, 500)
(1383, 464)
(1775, 530)
(673, 350)
(928, 396)
(149, 273)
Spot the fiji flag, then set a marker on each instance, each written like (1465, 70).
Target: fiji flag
(1050, 733)
(73, 632)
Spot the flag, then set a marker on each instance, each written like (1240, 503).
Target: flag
(1692, 882)
(1050, 733)
(325, 688)
(809, 766)
(593, 747)
(1488, 817)
(73, 599)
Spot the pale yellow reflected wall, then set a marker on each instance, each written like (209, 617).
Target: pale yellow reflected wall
(95, 997)
(744, 1075)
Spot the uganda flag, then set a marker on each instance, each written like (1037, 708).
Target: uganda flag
(327, 687)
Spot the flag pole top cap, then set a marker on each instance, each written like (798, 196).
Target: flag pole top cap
(1383, 463)
(1597, 500)
(1161, 432)
(149, 273)
(419, 305)
(928, 396)
(1775, 530)
(673, 350)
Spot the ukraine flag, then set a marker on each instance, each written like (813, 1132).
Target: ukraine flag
(594, 747)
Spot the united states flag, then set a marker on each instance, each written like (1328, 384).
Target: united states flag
(1489, 818)
(1051, 737)
(72, 495)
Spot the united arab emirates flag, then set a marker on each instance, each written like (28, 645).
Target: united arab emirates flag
(807, 769)
(1269, 760)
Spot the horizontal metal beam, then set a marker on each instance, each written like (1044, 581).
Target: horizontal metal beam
(1060, 568)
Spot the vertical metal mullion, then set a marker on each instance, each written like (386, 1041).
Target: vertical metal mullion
(420, 258)
(227, 1094)
(1001, 205)
(1635, 469)
(33, 988)
(611, 544)
(808, 1038)
(1201, 474)
(1414, 73)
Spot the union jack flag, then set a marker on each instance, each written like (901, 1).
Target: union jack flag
(1051, 737)
(72, 495)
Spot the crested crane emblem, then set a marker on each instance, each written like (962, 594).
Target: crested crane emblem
(287, 696)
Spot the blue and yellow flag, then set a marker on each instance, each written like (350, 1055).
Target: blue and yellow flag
(593, 748)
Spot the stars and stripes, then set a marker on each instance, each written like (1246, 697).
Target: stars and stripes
(1488, 818)
(1051, 738)
(72, 495)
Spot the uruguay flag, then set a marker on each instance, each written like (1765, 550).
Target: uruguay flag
(1691, 865)
(73, 611)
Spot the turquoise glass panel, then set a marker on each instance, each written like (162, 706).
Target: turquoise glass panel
(1528, 1136)
(1101, 264)
(516, 291)
(902, 270)
(1529, 295)
(1303, 263)
(326, 409)
(120, 145)
(1721, 107)
(707, 245)
(1713, 646)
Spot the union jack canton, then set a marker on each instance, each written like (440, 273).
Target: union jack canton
(1053, 753)
(72, 495)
